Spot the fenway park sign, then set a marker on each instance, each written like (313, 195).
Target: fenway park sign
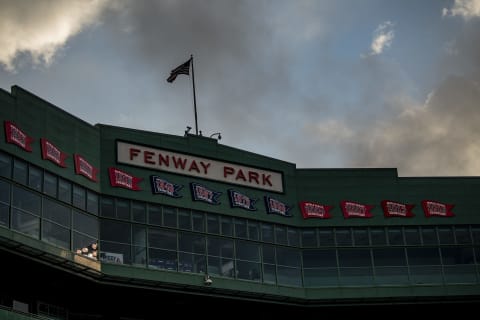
(179, 163)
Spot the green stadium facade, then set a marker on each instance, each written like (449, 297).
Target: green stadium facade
(98, 221)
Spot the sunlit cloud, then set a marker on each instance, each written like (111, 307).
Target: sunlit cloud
(39, 29)
(466, 9)
(382, 38)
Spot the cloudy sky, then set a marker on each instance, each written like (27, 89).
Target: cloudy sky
(319, 83)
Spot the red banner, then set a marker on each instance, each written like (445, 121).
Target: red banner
(397, 209)
(52, 153)
(16, 136)
(315, 210)
(84, 168)
(119, 178)
(356, 210)
(437, 209)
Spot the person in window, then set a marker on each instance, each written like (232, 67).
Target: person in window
(90, 251)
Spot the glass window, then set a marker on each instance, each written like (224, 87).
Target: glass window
(462, 235)
(155, 215)
(326, 237)
(240, 228)
(115, 231)
(344, 236)
(246, 250)
(164, 239)
(248, 270)
(139, 235)
(457, 255)
(269, 273)
(198, 221)
(213, 226)
(476, 235)
(85, 223)
(220, 256)
(253, 230)
(170, 217)
(64, 191)
(412, 236)
(289, 276)
(122, 209)
(55, 234)
(115, 252)
(395, 236)
(56, 212)
(26, 200)
(4, 203)
(193, 243)
(288, 257)
(5, 165)
(268, 253)
(139, 255)
(321, 258)
(445, 235)
(360, 236)
(20, 169)
(4, 192)
(227, 226)
(423, 256)
(190, 262)
(220, 247)
(320, 277)
(50, 184)
(107, 207)
(378, 236)
(25, 223)
(309, 237)
(184, 220)
(429, 236)
(389, 257)
(92, 202)
(354, 258)
(293, 237)
(35, 178)
(267, 232)
(281, 234)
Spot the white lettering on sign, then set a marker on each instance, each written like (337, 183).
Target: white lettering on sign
(180, 163)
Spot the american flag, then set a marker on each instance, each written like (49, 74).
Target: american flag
(181, 69)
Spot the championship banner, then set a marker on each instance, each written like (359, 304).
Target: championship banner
(162, 186)
(277, 207)
(356, 210)
(14, 135)
(437, 209)
(84, 168)
(396, 209)
(119, 178)
(315, 210)
(52, 153)
(202, 193)
(241, 200)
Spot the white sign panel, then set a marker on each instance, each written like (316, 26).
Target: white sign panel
(174, 162)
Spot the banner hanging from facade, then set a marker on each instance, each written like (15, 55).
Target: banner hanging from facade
(84, 168)
(162, 186)
(397, 209)
(241, 200)
(437, 209)
(202, 193)
(119, 178)
(52, 153)
(315, 210)
(275, 206)
(14, 135)
(356, 210)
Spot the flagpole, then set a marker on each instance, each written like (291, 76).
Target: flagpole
(194, 97)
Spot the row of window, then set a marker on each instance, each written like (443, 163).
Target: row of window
(43, 181)
(182, 251)
(45, 218)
